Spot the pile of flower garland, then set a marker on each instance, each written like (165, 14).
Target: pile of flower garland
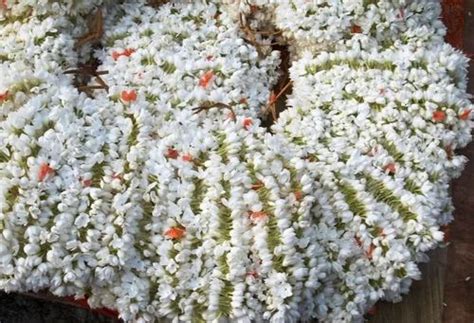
(165, 198)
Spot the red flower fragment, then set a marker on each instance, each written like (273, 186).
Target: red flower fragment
(439, 116)
(44, 171)
(175, 233)
(128, 96)
(206, 79)
(172, 153)
(127, 53)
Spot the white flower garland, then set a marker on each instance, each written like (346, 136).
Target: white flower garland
(166, 199)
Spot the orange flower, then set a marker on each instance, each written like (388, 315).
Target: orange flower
(116, 55)
(465, 115)
(256, 216)
(187, 157)
(129, 96)
(3, 97)
(172, 153)
(44, 171)
(439, 116)
(390, 168)
(356, 29)
(298, 195)
(127, 52)
(175, 233)
(247, 123)
(206, 79)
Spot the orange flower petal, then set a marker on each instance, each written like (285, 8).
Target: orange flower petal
(187, 157)
(439, 116)
(390, 168)
(206, 79)
(128, 52)
(129, 96)
(247, 123)
(116, 55)
(243, 101)
(356, 29)
(257, 216)
(3, 97)
(44, 171)
(298, 195)
(253, 274)
(175, 233)
(172, 153)
(466, 115)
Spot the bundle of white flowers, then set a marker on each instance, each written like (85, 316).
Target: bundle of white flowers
(22, 10)
(381, 137)
(165, 198)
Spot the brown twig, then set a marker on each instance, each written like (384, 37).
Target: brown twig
(211, 105)
(87, 72)
(85, 69)
(283, 90)
(251, 35)
(95, 32)
(271, 106)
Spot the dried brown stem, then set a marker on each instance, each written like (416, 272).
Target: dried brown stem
(95, 32)
(212, 105)
(272, 104)
(251, 35)
(84, 73)
(283, 90)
